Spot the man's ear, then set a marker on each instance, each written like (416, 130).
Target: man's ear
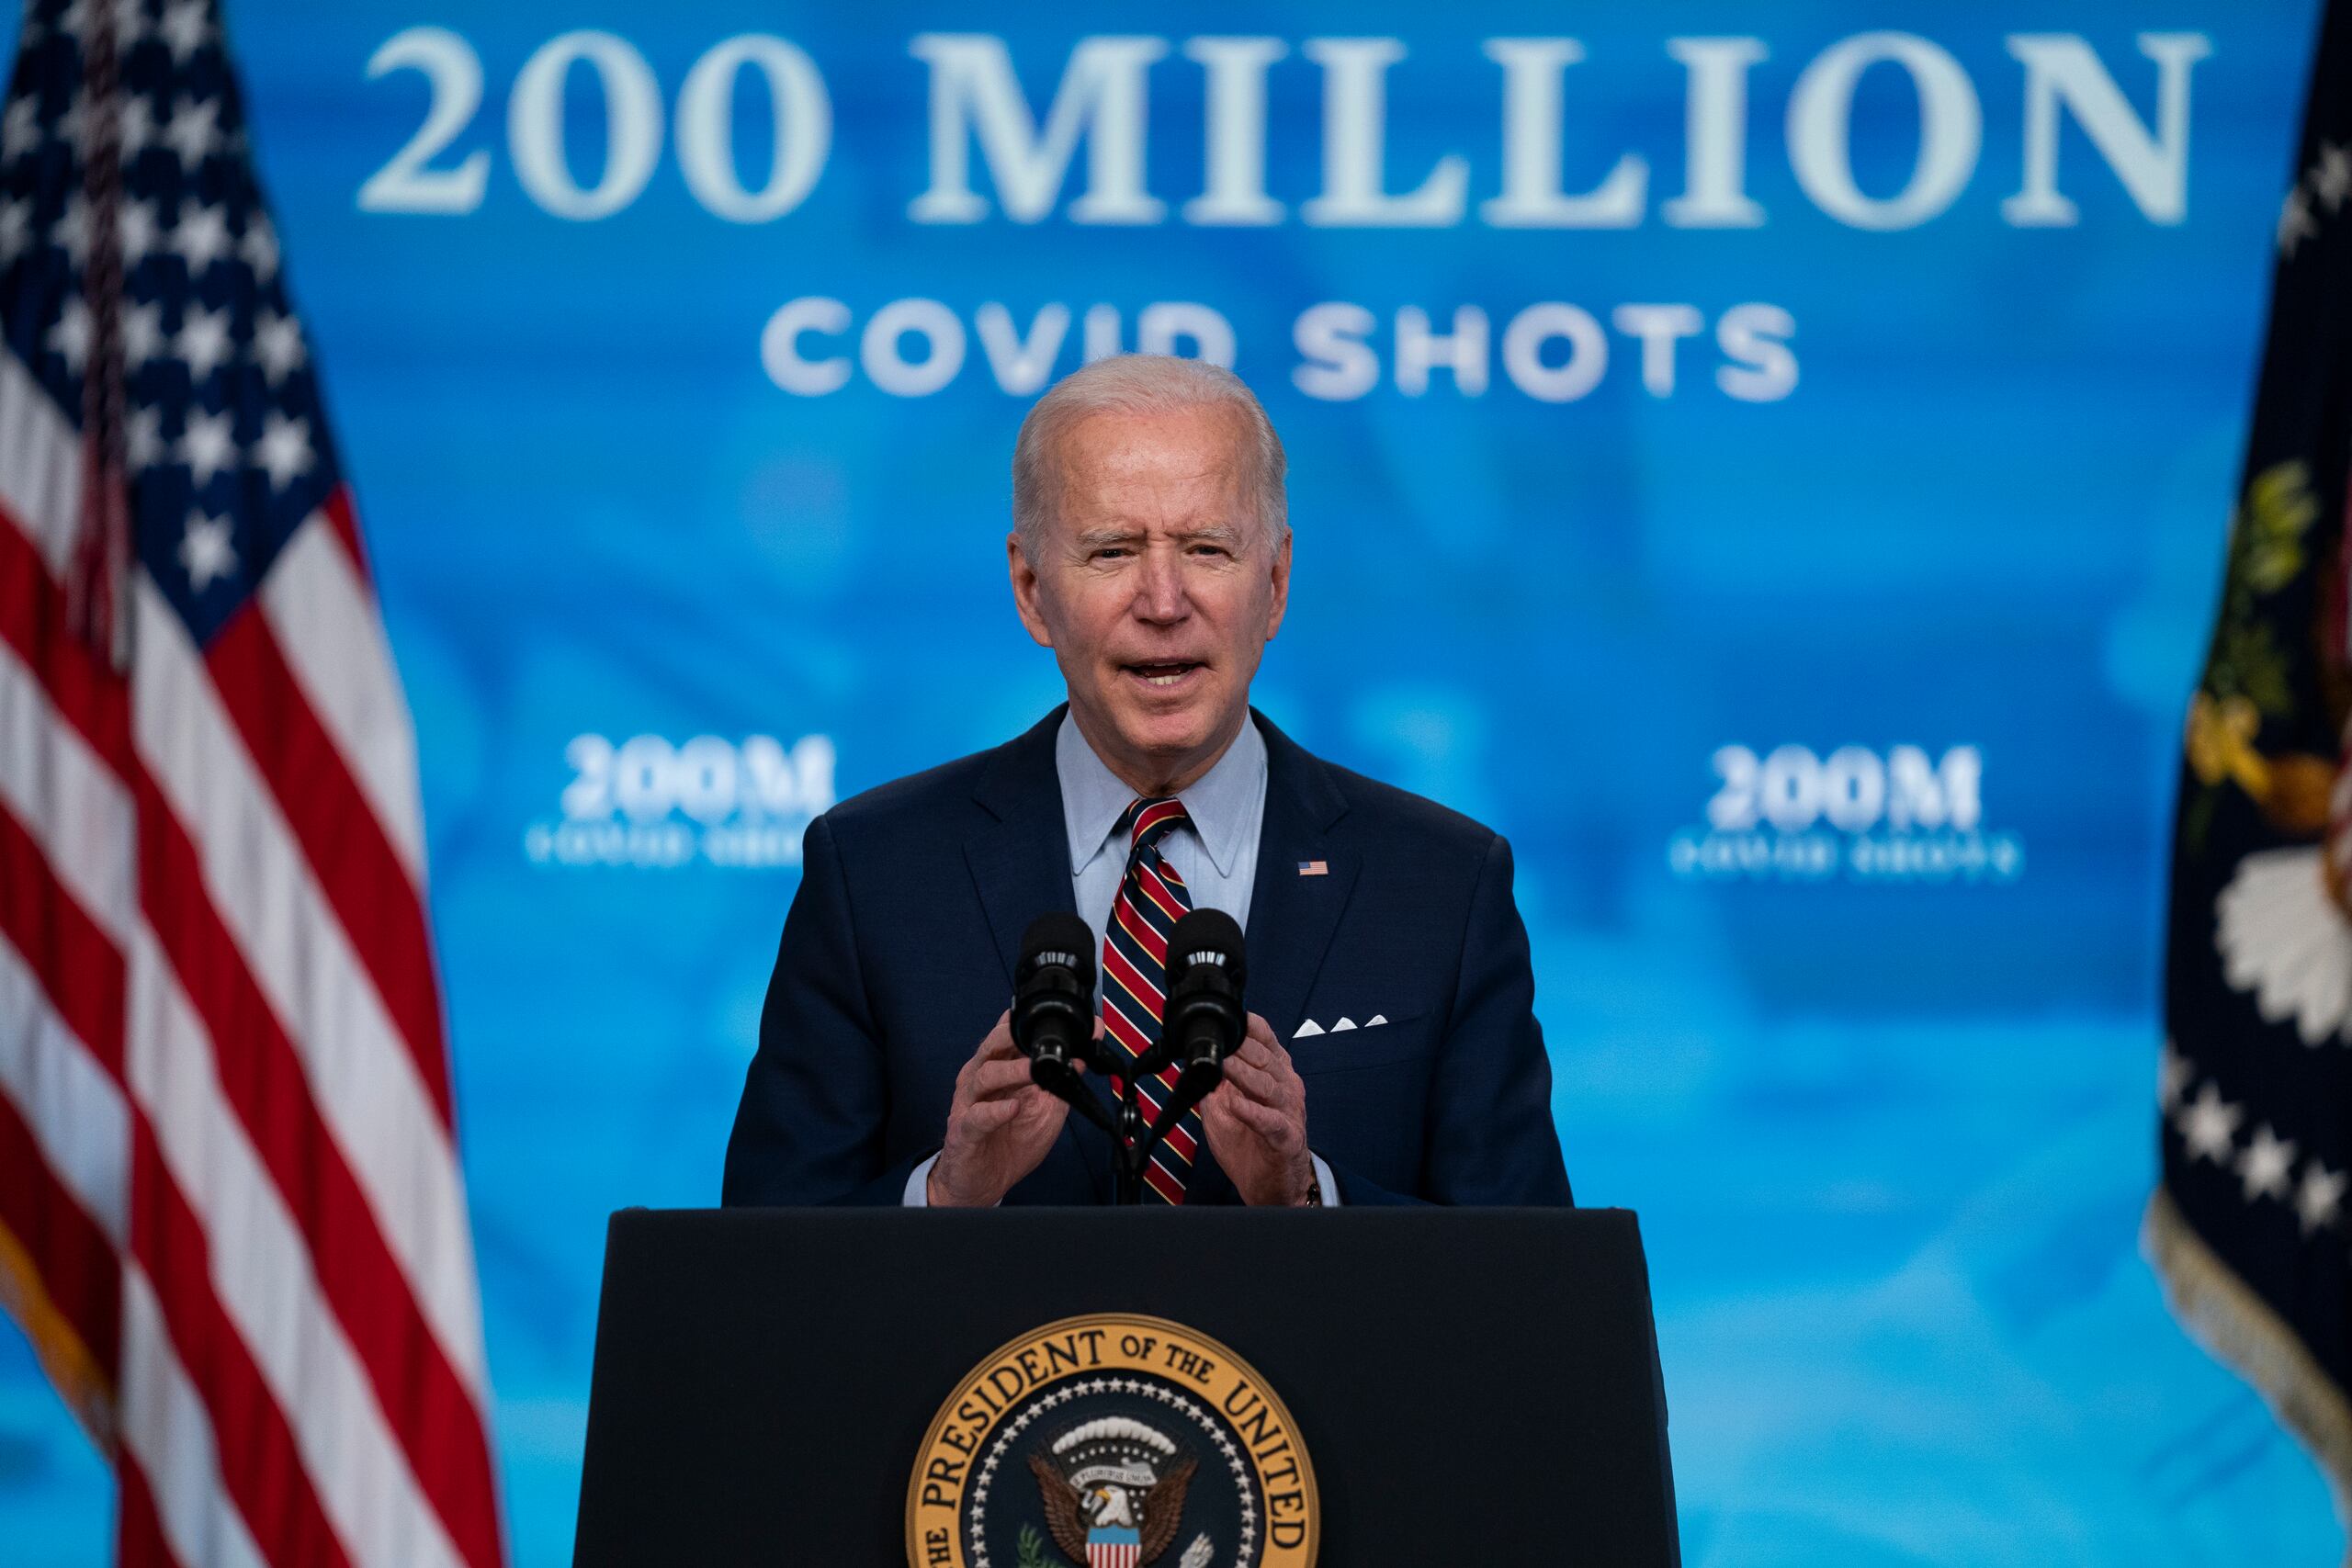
(1027, 592)
(1282, 587)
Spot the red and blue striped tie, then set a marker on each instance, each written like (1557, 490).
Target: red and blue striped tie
(1152, 897)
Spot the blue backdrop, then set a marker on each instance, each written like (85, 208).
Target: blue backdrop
(1782, 488)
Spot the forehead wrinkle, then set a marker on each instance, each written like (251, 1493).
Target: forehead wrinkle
(1122, 453)
(1118, 477)
(1149, 500)
(1129, 533)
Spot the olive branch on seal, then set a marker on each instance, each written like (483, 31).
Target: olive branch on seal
(1033, 1549)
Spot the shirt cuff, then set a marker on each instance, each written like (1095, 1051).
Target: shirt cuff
(917, 1193)
(1323, 1179)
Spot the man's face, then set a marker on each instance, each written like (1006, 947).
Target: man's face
(1156, 587)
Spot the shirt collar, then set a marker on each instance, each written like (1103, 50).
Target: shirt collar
(1218, 802)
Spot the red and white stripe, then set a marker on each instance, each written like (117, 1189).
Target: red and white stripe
(230, 1212)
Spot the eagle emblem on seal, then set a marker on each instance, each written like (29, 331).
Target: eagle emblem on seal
(1113, 1492)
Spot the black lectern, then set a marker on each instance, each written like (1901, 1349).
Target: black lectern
(1148, 1389)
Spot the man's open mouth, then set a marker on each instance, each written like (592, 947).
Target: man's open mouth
(1169, 673)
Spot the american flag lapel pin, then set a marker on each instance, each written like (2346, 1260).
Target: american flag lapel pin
(1313, 868)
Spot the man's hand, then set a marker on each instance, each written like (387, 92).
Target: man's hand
(998, 1125)
(1256, 1121)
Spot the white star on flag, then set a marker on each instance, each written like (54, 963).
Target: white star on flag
(136, 130)
(278, 345)
(142, 334)
(77, 126)
(206, 550)
(284, 448)
(135, 230)
(195, 131)
(260, 248)
(15, 230)
(185, 29)
(73, 229)
(21, 132)
(2321, 1195)
(2295, 223)
(2332, 180)
(2210, 1126)
(203, 342)
(70, 336)
(206, 446)
(2268, 1162)
(201, 236)
(143, 438)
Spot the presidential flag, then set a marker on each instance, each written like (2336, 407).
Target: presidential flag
(2250, 1227)
(231, 1216)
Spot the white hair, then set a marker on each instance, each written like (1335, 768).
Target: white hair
(1140, 384)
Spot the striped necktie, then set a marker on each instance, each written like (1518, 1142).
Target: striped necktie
(1152, 897)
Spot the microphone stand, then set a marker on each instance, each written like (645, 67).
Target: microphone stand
(1133, 1146)
(1132, 1140)
(1128, 1148)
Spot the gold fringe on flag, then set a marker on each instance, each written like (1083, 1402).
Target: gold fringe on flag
(2242, 1333)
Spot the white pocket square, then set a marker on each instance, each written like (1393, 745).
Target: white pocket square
(1309, 1029)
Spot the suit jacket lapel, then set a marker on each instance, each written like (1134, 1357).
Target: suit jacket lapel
(1019, 860)
(1020, 865)
(1292, 917)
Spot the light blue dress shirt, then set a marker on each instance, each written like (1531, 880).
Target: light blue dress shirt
(1216, 852)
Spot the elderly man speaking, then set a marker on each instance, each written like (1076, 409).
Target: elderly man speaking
(1393, 1053)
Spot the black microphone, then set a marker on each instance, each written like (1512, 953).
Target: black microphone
(1204, 1021)
(1053, 1002)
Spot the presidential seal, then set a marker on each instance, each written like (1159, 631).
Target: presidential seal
(1111, 1441)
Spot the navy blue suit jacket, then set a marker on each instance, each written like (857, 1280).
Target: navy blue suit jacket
(898, 957)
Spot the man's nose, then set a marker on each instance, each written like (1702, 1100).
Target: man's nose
(1160, 595)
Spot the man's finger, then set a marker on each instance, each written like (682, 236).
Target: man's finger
(991, 1079)
(1259, 1030)
(1266, 1054)
(1252, 1050)
(997, 1042)
(1293, 1088)
(1253, 1082)
(1270, 1056)
(987, 1115)
(1266, 1122)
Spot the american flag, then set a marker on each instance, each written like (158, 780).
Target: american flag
(231, 1221)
